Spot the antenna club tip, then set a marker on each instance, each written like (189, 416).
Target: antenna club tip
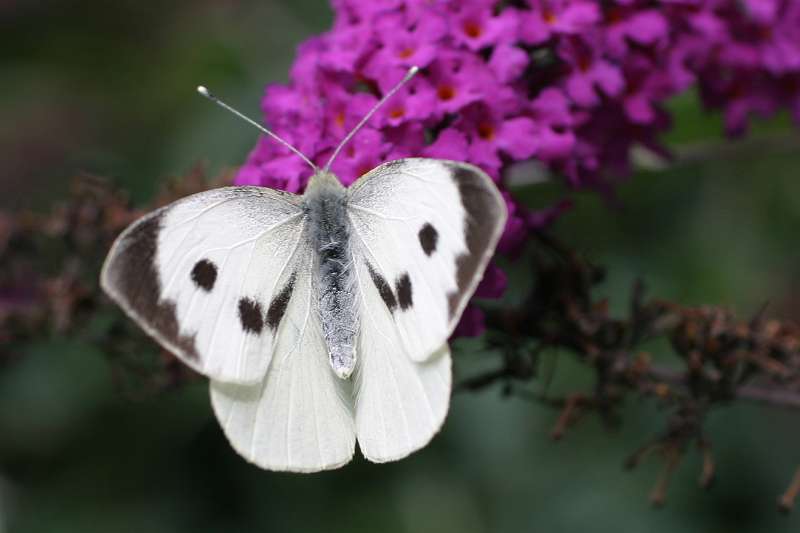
(202, 90)
(411, 73)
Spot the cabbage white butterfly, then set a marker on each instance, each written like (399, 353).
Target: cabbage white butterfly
(321, 319)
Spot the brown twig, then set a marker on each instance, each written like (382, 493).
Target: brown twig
(49, 266)
(719, 359)
(708, 471)
(786, 501)
(568, 415)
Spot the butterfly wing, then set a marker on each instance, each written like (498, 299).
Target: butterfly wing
(426, 230)
(400, 403)
(423, 231)
(208, 276)
(298, 418)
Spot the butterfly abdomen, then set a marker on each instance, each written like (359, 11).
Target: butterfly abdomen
(329, 230)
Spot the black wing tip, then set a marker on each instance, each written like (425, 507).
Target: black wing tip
(486, 214)
(130, 278)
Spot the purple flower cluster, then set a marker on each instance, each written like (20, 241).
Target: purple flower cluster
(573, 84)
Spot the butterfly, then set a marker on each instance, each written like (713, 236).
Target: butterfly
(321, 319)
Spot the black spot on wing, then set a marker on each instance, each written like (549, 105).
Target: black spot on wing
(428, 238)
(251, 316)
(482, 212)
(204, 274)
(383, 289)
(403, 288)
(278, 306)
(133, 274)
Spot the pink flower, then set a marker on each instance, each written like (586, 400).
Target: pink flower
(573, 84)
(554, 121)
(591, 74)
(547, 18)
(458, 79)
(366, 151)
(490, 133)
(471, 324)
(450, 144)
(493, 284)
(415, 102)
(629, 25)
(477, 27)
(508, 62)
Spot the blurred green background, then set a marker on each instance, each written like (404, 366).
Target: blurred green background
(108, 89)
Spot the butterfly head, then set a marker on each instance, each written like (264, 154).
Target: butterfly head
(323, 179)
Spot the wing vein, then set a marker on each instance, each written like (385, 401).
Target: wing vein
(381, 215)
(223, 201)
(257, 237)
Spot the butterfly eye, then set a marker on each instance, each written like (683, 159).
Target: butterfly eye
(428, 237)
(204, 274)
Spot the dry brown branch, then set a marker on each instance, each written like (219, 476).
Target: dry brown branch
(718, 359)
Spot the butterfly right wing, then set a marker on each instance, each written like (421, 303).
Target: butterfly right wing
(426, 229)
(298, 418)
(400, 403)
(208, 276)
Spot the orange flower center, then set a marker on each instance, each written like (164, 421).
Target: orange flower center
(549, 17)
(472, 29)
(486, 131)
(339, 119)
(397, 112)
(405, 53)
(445, 92)
(614, 15)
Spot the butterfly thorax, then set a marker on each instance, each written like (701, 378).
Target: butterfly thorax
(329, 230)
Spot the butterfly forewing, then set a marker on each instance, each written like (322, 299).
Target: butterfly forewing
(424, 230)
(210, 276)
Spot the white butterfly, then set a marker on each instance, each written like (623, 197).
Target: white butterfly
(321, 319)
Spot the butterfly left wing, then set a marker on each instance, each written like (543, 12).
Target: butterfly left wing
(208, 275)
(425, 230)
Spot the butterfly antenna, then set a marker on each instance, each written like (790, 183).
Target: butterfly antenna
(205, 92)
(410, 74)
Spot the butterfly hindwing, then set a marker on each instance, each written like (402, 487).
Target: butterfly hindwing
(425, 230)
(209, 276)
(298, 418)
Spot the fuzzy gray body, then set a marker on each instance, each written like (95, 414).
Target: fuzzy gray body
(325, 203)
